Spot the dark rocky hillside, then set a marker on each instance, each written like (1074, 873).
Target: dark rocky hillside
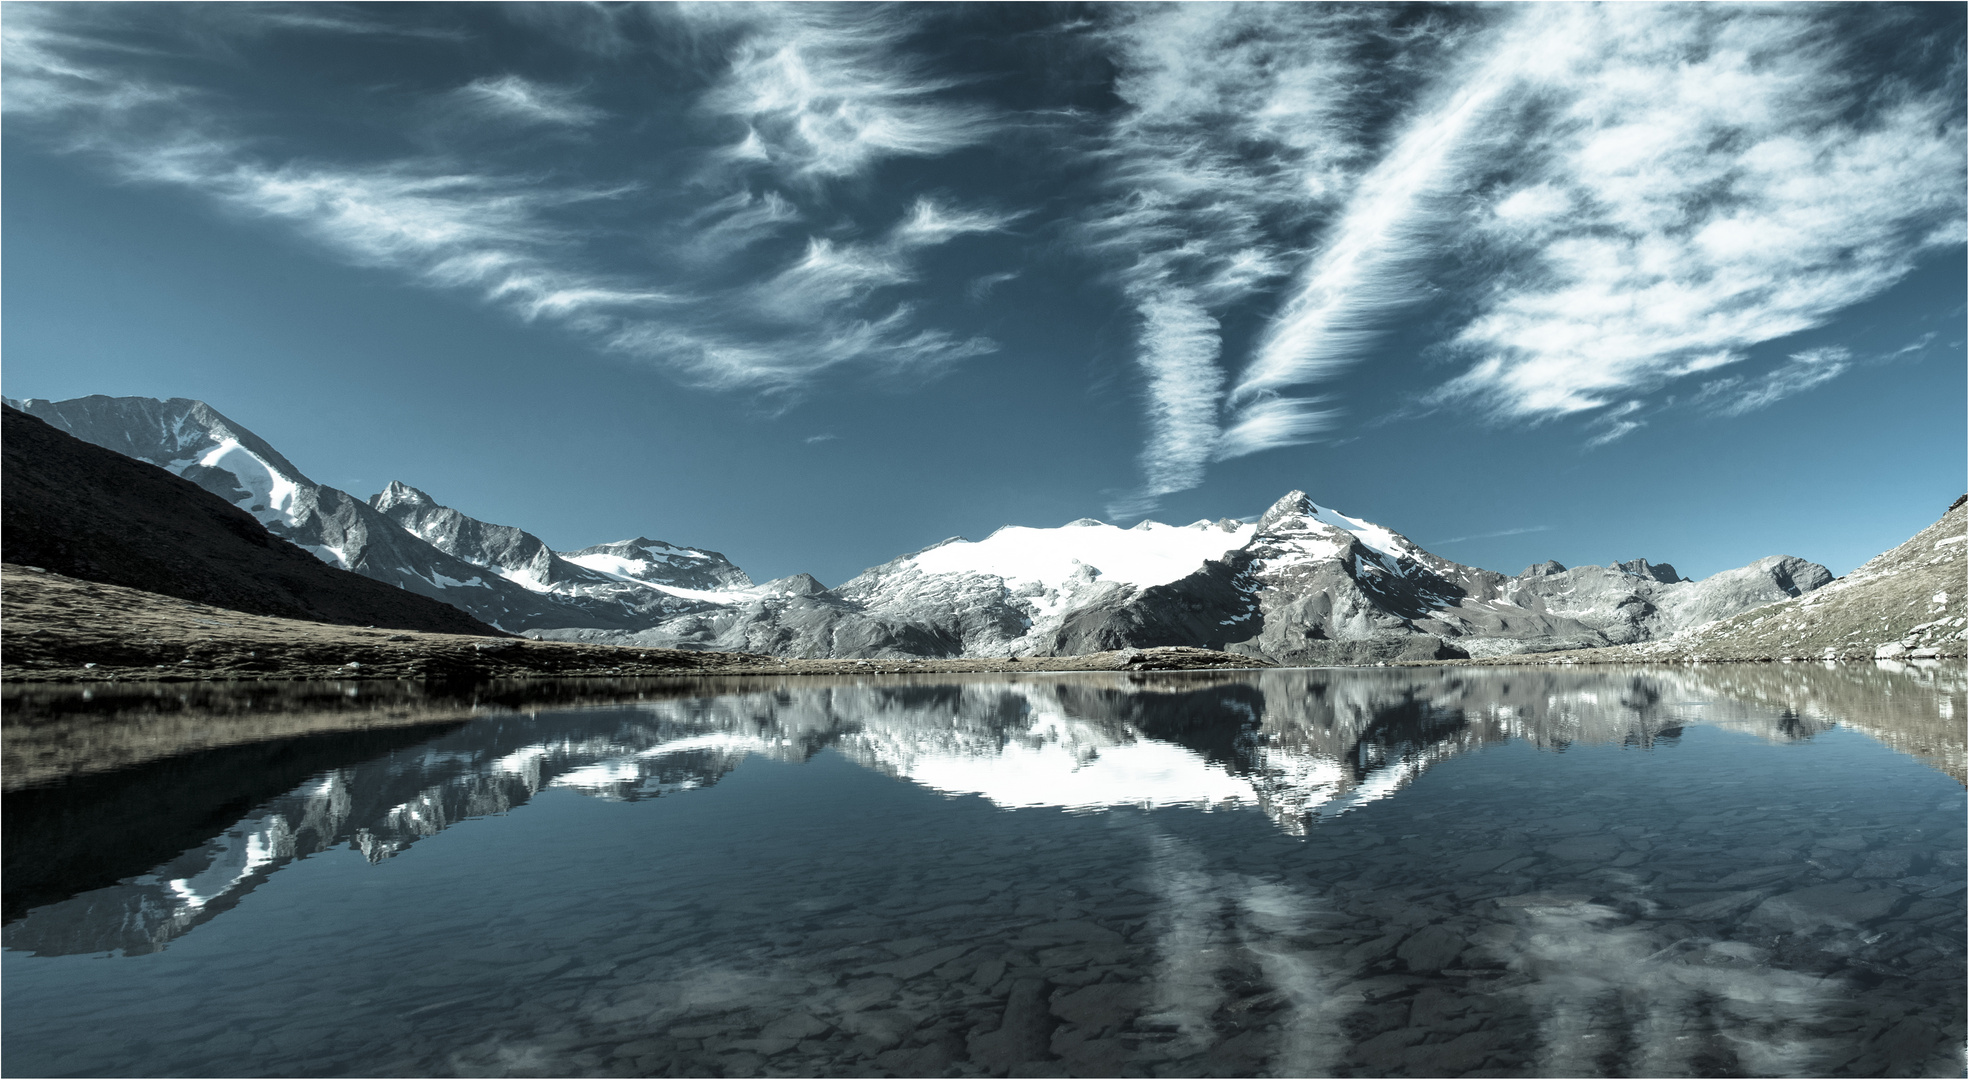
(87, 512)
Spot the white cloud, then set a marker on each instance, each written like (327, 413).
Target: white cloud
(981, 287)
(1634, 194)
(1615, 423)
(1804, 370)
(824, 92)
(734, 223)
(1179, 356)
(512, 97)
(1362, 268)
(1236, 134)
(1273, 422)
(1724, 182)
(1492, 535)
(931, 222)
(531, 243)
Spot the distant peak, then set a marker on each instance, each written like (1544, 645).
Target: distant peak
(1083, 523)
(1661, 572)
(1295, 503)
(792, 585)
(399, 494)
(1544, 569)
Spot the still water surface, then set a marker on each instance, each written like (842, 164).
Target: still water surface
(1705, 871)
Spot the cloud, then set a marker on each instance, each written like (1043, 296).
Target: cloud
(1602, 200)
(982, 286)
(536, 243)
(1178, 355)
(734, 223)
(823, 437)
(1493, 535)
(511, 97)
(1700, 180)
(1615, 423)
(1361, 270)
(1236, 133)
(1913, 348)
(1804, 370)
(824, 92)
(931, 222)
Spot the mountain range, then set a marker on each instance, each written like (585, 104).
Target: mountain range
(1303, 584)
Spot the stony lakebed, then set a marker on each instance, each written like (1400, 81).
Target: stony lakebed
(1713, 870)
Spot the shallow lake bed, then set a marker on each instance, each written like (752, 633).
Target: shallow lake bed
(1725, 871)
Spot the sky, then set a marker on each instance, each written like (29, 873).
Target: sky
(817, 286)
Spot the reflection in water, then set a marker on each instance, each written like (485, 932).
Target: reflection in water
(1715, 918)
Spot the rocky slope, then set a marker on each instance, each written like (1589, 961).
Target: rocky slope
(82, 510)
(635, 581)
(1303, 585)
(499, 574)
(1905, 604)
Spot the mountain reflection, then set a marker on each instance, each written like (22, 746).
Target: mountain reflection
(1297, 745)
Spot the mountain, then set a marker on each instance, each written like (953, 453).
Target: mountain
(1304, 584)
(86, 512)
(501, 575)
(1905, 604)
(637, 581)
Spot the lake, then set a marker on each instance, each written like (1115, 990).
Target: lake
(1694, 871)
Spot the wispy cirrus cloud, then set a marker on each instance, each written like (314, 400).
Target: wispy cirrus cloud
(1235, 136)
(1364, 267)
(825, 91)
(1492, 535)
(537, 243)
(1706, 181)
(1737, 395)
(1612, 198)
(513, 97)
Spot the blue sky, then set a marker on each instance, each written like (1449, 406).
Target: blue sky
(817, 286)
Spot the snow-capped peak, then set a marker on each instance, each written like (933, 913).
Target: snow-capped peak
(1149, 554)
(399, 493)
(1386, 542)
(662, 563)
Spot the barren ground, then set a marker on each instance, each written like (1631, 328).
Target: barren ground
(63, 629)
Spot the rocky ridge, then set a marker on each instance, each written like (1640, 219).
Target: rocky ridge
(1304, 584)
(86, 511)
(1905, 604)
(636, 581)
(501, 575)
